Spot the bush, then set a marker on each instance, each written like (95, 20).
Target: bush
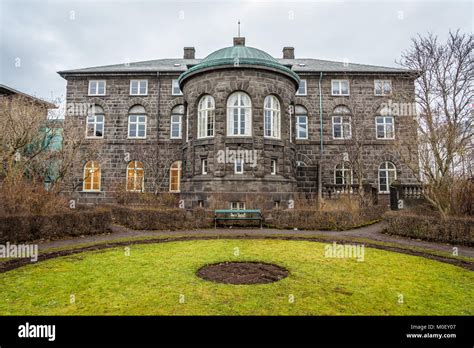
(149, 218)
(22, 228)
(311, 219)
(455, 230)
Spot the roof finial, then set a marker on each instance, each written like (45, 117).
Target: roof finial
(239, 27)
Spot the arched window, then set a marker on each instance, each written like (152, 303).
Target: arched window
(176, 121)
(239, 115)
(137, 122)
(343, 174)
(95, 122)
(135, 176)
(271, 112)
(91, 176)
(206, 119)
(387, 175)
(175, 176)
(301, 115)
(341, 123)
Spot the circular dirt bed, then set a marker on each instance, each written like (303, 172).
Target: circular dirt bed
(242, 273)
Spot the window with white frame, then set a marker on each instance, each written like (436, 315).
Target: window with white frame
(340, 87)
(387, 175)
(239, 115)
(97, 87)
(206, 117)
(137, 122)
(237, 206)
(341, 123)
(92, 176)
(343, 174)
(176, 122)
(301, 115)
(239, 166)
(138, 87)
(135, 176)
(274, 166)
(382, 87)
(175, 90)
(271, 112)
(301, 88)
(385, 127)
(95, 122)
(204, 166)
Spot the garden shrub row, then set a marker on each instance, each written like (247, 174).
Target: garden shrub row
(454, 230)
(149, 218)
(311, 219)
(23, 228)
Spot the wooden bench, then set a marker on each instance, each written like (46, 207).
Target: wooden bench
(238, 215)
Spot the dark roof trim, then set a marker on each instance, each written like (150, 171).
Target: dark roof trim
(11, 91)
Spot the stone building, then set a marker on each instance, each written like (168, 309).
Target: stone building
(241, 127)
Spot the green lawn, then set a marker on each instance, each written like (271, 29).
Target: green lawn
(155, 277)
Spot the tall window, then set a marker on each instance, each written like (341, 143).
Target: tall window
(343, 174)
(175, 90)
(301, 88)
(176, 122)
(175, 176)
(385, 127)
(382, 87)
(239, 115)
(387, 175)
(138, 87)
(239, 166)
(274, 166)
(340, 87)
(206, 117)
(301, 115)
(97, 87)
(95, 122)
(135, 176)
(204, 165)
(271, 111)
(137, 122)
(91, 176)
(341, 123)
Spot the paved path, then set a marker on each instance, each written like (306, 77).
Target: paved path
(372, 232)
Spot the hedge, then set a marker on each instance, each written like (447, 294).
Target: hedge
(149, 218)
(454, 230)
(18, 228)
(311, 219)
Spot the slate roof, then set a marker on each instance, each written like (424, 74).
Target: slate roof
(179, 65)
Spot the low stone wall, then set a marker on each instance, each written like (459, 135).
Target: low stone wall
(16, 229)
(455, 230)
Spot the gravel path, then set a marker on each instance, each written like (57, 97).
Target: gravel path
(372, 232)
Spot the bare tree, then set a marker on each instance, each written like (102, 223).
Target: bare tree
(445, 120)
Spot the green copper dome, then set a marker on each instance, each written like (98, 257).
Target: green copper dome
(239, 56)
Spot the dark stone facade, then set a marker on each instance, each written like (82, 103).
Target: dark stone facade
(297, 160)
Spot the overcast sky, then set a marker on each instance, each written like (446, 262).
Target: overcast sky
(40, 37)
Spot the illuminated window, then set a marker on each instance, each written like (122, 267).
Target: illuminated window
(91, 176)
(175, 176)
(135, 176)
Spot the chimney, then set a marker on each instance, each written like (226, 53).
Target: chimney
(288, 53)
(239, 41)
(189, 53)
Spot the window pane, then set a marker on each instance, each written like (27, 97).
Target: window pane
(345, 87)
(133, 118)
(335, 87)
(92, 88)
(337, 131)
(387, 87)
(380, 132)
